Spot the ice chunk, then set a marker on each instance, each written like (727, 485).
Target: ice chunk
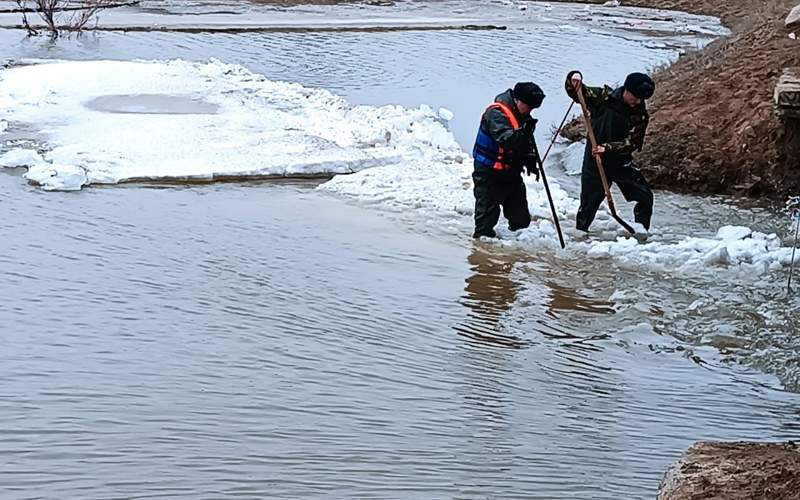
(697, 304)
(716, 256)
(57, 177)
(21, 157)
(728, 233)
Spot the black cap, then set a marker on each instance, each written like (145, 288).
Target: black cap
(529, 93)
(640, 85)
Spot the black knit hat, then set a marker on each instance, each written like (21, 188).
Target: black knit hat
(529, 93)
(640, 85)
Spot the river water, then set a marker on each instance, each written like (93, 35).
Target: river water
(277, 340)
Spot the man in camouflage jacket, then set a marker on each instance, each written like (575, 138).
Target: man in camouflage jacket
(619, 118)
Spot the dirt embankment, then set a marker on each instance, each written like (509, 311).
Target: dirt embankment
(734, 471)
(714, 128)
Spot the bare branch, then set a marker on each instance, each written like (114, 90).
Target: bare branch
(25, 23)
(52, 13)
(64, 8)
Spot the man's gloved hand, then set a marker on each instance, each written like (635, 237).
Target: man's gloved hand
(529, 126)
(524, 134)
(533, 169)
(531, 165)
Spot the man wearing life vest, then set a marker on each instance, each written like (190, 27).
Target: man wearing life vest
(619, 118)
(503, 148)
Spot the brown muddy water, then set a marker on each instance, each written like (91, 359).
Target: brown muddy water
(269, 340)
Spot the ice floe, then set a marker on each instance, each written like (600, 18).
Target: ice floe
(119, 121)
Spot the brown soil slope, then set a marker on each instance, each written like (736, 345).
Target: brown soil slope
(734, 471)
(713, 128)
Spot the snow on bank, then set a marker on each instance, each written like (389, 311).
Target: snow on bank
(111, 121)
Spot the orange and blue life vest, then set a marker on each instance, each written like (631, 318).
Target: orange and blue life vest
(487, 152)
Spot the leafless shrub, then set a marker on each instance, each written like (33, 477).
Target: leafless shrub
(59, 16)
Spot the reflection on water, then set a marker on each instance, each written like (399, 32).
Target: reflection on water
(490, 293)
(493, 289)
(564, 299)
